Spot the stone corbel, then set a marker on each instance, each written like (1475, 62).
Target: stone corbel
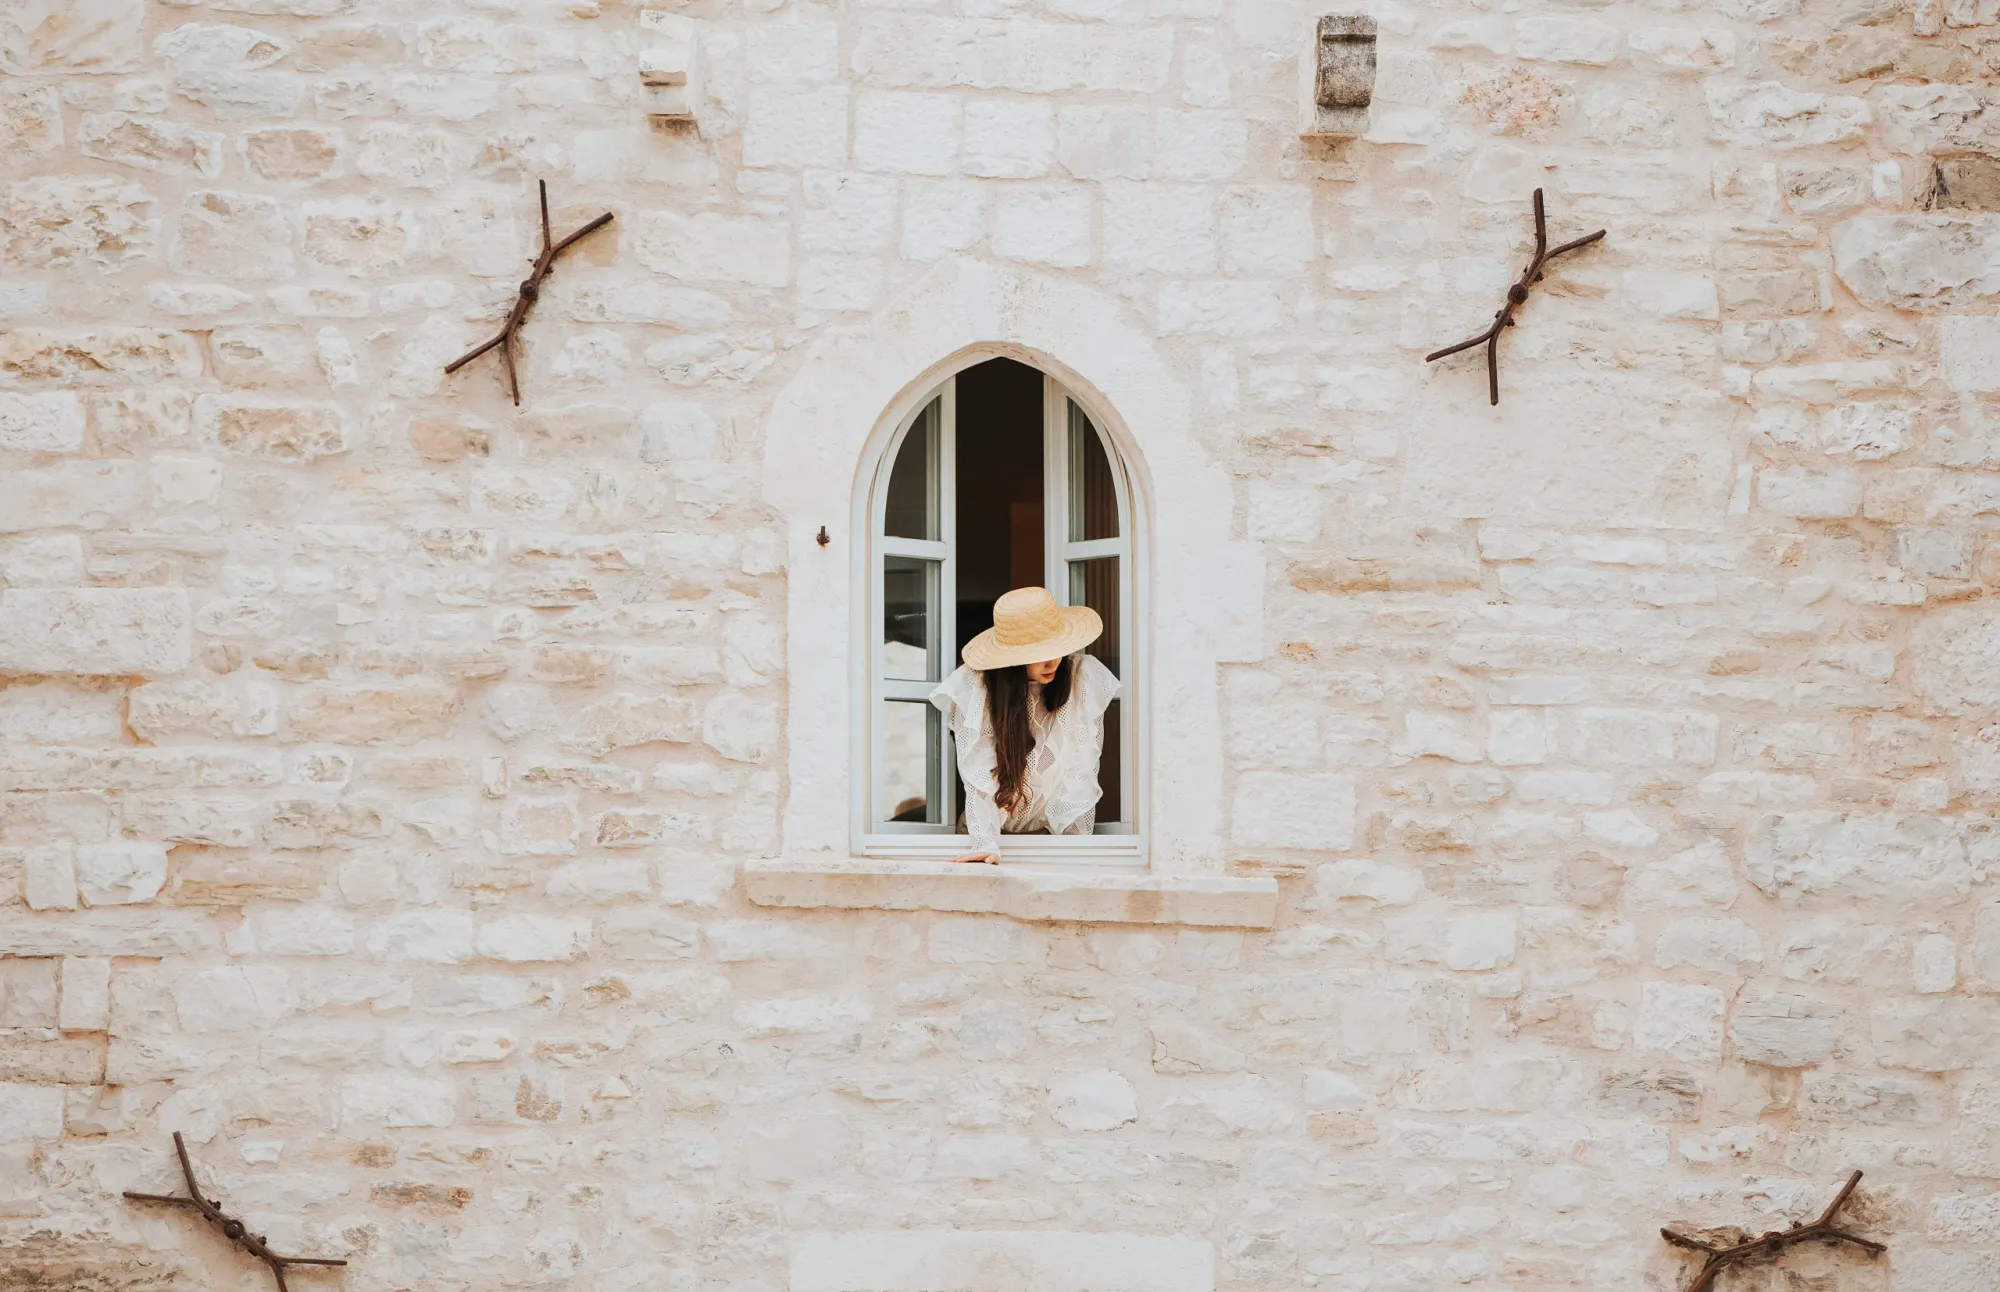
(667, 64)
(1343, 76)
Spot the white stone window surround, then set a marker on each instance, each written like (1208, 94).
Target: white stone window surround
(1203, 588)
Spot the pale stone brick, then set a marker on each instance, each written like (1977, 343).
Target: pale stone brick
(946, 216)
(1092, 1101)
(1942, 1034)
(30, 1112)
(1200, 146)
(51, 221)
(393, 1101)
(1966, 348)
(41, 423)
(1045, 226)
(93, 630)
(120, 873)
(1680, 1020)
(534, 938)
(49, 879)
(1008, 138)
(709, 247)
(31, 121)
(86, 995)
(1226, 308)
(791, 52)
(795, 126)
(232, 998)
(1098, 143)
(896, 132)
(1283, 810)
(1567, 40)
(1165, 228)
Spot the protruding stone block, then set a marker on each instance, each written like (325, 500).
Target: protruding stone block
(1343, 75)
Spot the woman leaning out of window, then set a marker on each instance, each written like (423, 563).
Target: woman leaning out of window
(1027, 717)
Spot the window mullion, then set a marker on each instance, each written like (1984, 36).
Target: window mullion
(947, 616)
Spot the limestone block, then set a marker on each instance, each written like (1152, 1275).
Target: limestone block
(1784, 1029)
(100, 357)
(283, 431)
(1936, 1034)
(374, 715)
(741, 729)
(804, 1013)
(1956, 654)
(233, 236)
(811, 1146)
(52, 221)
(1808, 495)
(1371, 881)
(1043, 226)
(1918, 261)
(120, 873)
(1092, 1101)
(385, 1100)
(1008, 138)
(1014, 54)
(71, 35)
(49, 879)
(1768, 114)
(132, 419)
(793, 125)
(293, 152)
(232, 998)
(1567, 40)
(1286, 810)
(1479, 942)
(216, 710)
(539, 828)
(1917, 859)
(1682, 1020)
(438, 935)
(147, 143)
(627, 721)
(1685, 49)
(1715, 944)
(293, 931)
(93, 630)
(1180, 1049)
(1167, 228)
(86, 994)
(523, 939)
(30, 120)
(30, 1112)
(41, 423)
(631, 933)
(1249, 1105)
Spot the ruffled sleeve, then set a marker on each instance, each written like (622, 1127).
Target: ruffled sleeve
(961, 698)
(1078, 741)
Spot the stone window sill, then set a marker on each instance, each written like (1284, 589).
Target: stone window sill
(1025, 893)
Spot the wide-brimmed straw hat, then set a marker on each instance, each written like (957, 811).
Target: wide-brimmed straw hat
(1029, 627)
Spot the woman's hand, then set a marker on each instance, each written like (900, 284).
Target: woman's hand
(980, 858)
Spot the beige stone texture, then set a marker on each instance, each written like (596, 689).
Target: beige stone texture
(1558, 820)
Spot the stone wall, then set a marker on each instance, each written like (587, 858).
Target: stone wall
(378, 760)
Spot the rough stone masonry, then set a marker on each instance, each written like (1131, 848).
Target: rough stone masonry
(379, 764)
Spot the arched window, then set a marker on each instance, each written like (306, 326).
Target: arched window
(1000, 479)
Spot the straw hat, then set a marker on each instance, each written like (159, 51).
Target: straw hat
(1029, 627)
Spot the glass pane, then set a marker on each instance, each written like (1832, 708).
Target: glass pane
(998, 526)
(1095, 584)
(1111, 767)
(1093, 493)
(909, 618)
(911, 510)
(911, 779)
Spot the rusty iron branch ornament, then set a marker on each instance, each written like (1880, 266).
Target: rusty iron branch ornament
(232, 1229)
(1517, 295)
(531, 287)
(1770, 1244)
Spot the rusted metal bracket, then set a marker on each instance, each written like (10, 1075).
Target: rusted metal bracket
(531, 287)
(1517, 295)
(232, 1228)
(1767, 1246)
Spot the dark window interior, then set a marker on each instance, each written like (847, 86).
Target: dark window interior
(999, 489)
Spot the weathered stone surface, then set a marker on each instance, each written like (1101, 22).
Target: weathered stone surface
(232, 235)
(104, 357)
(1940, 1034)
(94, 630)
(1807, 854)
(1957, 659)
(41, 423)
(51, 221)
(268, 428)
(1783, 1029)
(71, 35)
(1919, 261)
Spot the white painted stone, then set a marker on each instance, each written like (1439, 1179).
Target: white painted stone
(1000, 1261)
(120, 873)
(1092, 1101)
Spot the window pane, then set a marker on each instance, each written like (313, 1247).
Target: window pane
(998, 525)
(911, 777)
(1093, 492)
(911, 510)
(1111, 766)
(909, 618)
(1095, 584)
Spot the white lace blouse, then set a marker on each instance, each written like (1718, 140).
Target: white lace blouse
(1059, 787)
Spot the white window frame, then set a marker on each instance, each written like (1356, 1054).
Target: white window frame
(1115, 844)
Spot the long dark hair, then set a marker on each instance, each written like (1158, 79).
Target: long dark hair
(1007, 710)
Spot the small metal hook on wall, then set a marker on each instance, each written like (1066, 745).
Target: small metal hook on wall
(822, 540)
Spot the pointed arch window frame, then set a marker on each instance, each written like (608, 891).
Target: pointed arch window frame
(1066, 415)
